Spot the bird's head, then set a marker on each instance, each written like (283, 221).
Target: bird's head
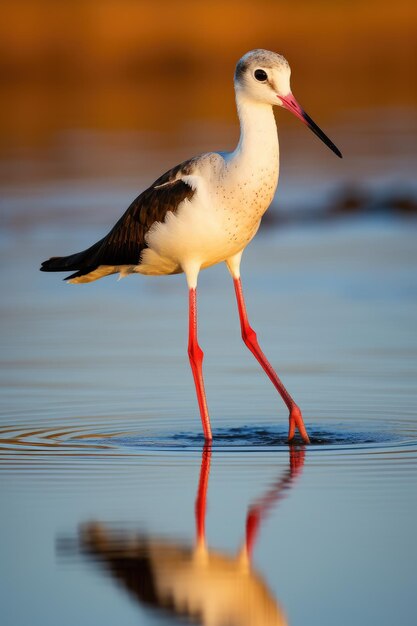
(263, 77)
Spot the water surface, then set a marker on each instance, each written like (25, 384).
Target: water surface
(102, 460)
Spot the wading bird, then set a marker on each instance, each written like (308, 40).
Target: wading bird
(205, 211)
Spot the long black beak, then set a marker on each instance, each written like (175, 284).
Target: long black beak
(290, 103)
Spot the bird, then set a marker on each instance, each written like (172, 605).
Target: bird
(195, 582)
(205, 211)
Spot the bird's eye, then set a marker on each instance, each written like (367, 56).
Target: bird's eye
(261, 75)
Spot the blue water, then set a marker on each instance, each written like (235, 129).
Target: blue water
(101, 448)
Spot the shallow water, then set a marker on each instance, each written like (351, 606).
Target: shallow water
(102, 460)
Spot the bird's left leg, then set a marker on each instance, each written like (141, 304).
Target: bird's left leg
(250, 339)
(195, 353)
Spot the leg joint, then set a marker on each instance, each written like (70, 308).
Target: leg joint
(249, 335)
(195, 353)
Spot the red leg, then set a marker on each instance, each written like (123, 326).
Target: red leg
(249, 337)
(279, 490)
(195, 354)
(201, 500)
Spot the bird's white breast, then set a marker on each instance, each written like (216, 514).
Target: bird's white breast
(219, 221)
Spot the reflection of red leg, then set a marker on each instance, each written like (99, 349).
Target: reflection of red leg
(297, 458)
(201, 500)
(259, 510)
(195, 354)
(252, 524)
(249, 337)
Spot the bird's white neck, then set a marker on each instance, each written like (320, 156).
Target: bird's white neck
(258, 147)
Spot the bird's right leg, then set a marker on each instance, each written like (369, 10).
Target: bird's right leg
(195, 354)
(251, 341)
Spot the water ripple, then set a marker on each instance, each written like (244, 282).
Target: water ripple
(99, 439)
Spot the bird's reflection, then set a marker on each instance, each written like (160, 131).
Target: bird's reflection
(195, 582)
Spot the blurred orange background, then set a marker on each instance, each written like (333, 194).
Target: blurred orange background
(129, 64)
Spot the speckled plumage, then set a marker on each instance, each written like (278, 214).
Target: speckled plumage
(263, 58)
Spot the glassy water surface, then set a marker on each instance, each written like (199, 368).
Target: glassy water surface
(112, 509)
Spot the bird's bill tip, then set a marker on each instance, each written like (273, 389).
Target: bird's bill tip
(290, 103)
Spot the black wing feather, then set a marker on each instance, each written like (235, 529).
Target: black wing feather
(125, 242)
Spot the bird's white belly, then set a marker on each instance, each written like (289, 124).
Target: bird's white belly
(207, 230)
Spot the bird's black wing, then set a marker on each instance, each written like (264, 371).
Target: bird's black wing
(127, 239)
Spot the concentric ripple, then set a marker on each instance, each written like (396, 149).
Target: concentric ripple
(99, 439)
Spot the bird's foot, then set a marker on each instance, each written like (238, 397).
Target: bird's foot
(296, 421)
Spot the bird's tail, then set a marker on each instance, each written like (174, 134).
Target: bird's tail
(60, 263)
(84, 262)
